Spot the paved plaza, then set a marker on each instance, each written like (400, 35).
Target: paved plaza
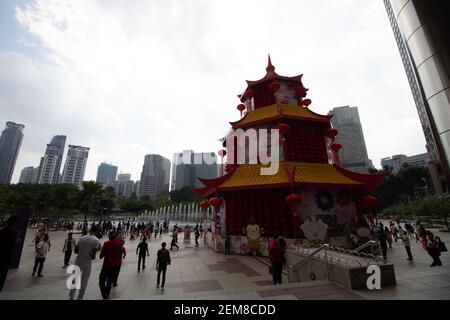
(200, 273)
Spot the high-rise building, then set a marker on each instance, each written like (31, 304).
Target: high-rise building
(106, 174)
(353, 155)
(124, 186)
(136, 187)
(422, 32)
(75, 166)
(155, 176)
(10, 142)
(188, 165)
(50, 165)
(29, 175)
(396, 162)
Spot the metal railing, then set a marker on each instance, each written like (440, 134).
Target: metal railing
(370, 244)
(309, 257)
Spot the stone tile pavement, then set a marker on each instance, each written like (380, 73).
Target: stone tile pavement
(201, 274)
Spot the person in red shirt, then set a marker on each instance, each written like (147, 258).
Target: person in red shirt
(276, 257)
(111, 254)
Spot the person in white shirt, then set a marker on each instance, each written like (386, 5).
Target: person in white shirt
(86, 250)
(42, 248)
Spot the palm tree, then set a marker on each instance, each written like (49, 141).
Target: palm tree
(90, 198)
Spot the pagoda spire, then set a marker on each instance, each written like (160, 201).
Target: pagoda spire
(270, 68)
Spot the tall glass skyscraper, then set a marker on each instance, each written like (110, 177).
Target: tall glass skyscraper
(106, 174)
(422, 32)
(75, 166)
(155, 176)
(10, 142)
(50, 165)
(353, 155)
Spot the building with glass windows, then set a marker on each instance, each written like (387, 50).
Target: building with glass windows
(422, 32)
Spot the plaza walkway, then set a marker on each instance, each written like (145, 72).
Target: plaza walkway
(199, 273)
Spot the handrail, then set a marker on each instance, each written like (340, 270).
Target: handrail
(370, 243)
(310, 256)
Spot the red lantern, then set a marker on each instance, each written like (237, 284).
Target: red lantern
(222, 153)
(241, 107)
(215, 202)
(301, 92)
(204, 204)
(283, 128)
(306, 102)
(332, 133)
(294, 199)
(336, 147)
(274, 86)
(249, 94)
(369, 201)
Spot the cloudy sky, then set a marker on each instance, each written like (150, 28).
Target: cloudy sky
(129, 78)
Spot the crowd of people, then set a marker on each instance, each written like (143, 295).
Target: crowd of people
(388, 235)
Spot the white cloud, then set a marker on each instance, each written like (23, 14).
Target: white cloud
(131, 78)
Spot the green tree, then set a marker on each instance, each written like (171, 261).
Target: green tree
(63, 199)
(89, 198)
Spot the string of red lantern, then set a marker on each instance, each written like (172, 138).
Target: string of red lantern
(336, 147)
(215, 202)
(294, 199)
(204, 204)
(249, 94)
(332, 133)
(368, 201)
(283, 128)
(301, 92)
(222, 153)
(306, 102)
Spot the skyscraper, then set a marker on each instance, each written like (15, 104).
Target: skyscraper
(10, 142)
(75, 165)
(155, 176)
(124, 186)
(29, 175)
(50, 165)
(421, 29)
(188, 165)
(106, 174)
(353, 155)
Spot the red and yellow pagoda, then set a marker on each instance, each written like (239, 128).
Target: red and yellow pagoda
(310, 198)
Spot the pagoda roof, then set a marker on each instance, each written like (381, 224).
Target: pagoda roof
(270, 75)
(279, 111)
(305, 174)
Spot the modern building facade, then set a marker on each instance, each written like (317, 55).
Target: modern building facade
(155, 176)
(353, 155)
(10, 143)
(188, 165)
(50, 164)
(124, 186)
(29, 175)
(106, 174)
(396, 162)
(75, 166)
(422, 32)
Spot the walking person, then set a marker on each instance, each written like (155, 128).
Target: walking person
(8, 238)
(383, 243)
(162, 261)
(111, 254)
(197, 235)
(276, 258)
(69, 246)
(41, 252)
(122, 256)
(156, 230)
(433, 250)
(389, 238)
(161, 229)
(407, 243)
(142, 252)
(174, 241)
(86, 249)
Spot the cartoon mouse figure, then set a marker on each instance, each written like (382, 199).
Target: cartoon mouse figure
(253, 232)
